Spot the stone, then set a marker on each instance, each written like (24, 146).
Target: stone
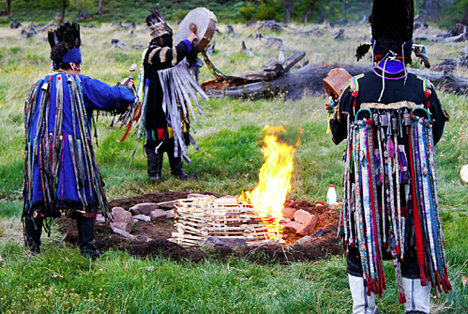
(303, 240)
(157, 213)
(123, 233)
(170, 214)
(302, 216)
(121, 216)
(143, 208)
(229, 242)
(293, 225)
(142, 217)
(288, 212)
(318, 233)
(121, 226)
(309, 227)
(197, 195)
(143, 238)
(100, 218)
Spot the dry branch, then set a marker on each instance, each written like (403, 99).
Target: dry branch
(308, 80)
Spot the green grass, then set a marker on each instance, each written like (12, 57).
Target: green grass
(60, 281)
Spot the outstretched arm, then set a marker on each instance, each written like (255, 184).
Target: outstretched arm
(102, 96)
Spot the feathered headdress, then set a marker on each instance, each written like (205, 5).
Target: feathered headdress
(392, 29)
(157, 24)
(65, 43)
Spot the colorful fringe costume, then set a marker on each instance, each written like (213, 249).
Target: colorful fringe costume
(390, 201)
(60, 173)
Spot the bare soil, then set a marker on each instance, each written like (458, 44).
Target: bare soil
(159, 231)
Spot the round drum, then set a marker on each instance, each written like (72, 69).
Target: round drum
(205, 22)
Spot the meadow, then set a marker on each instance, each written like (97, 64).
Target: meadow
(59, 280)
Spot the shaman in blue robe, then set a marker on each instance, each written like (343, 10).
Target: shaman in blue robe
(60, 171)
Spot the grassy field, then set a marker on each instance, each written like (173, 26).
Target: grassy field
(60, 281)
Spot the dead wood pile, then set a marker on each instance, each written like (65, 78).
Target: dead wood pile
(308, 80)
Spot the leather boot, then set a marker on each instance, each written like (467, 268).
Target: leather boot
(155, 162)
(177, 168)
(418, 297)
(85, 228)
(362, 303)
(32, 234)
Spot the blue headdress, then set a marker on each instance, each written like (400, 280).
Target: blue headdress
(65, 44)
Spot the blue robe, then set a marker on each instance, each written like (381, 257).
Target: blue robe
(60, 171)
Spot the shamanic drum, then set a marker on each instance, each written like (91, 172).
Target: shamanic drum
(335, 82)
(205, 22)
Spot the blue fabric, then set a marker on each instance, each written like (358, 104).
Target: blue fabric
(189, 45)
(73, 55)
(392, 66)
(95, 95)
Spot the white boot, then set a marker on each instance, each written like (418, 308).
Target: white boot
(418, 298)
(362, 304)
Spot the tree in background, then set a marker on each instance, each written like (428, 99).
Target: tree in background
(430, 9)
(465, 18)
(62, 4)
(307, 7)
(83, 6)
(8, 7)
(100, 5)
(288, 8)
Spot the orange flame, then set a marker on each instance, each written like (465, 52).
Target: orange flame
(269, 195)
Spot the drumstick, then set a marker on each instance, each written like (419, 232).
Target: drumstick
(132, 70)
(193, 27)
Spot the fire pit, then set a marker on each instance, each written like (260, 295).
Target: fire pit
(198, 219)
(254, 216)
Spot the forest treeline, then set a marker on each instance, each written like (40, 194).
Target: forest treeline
(444, 12)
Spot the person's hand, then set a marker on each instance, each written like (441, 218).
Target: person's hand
(192, 38)
(127, 82)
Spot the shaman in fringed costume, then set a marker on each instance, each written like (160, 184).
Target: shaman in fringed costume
(169, 94)
(60, 173)
(392, 120)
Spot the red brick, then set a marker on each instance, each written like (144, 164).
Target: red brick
(309, 227)
(302, 216)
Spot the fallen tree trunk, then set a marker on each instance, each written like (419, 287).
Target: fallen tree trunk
(308, 80)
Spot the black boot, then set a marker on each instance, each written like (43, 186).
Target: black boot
(177, 168)
(32, 234)
(155, 162)
(85, 228)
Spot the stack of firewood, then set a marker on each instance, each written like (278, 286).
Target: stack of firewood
(198, 219)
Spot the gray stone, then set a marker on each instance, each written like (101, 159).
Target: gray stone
(303, 240)
(100, 218)
(170, 214)
(122, 219)
(318, 233)
(142, 217)
(123, 233)
(143, 238)
(157, 213)
(229, 242)
(143, 208)
(197, 195)
(122, 226)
